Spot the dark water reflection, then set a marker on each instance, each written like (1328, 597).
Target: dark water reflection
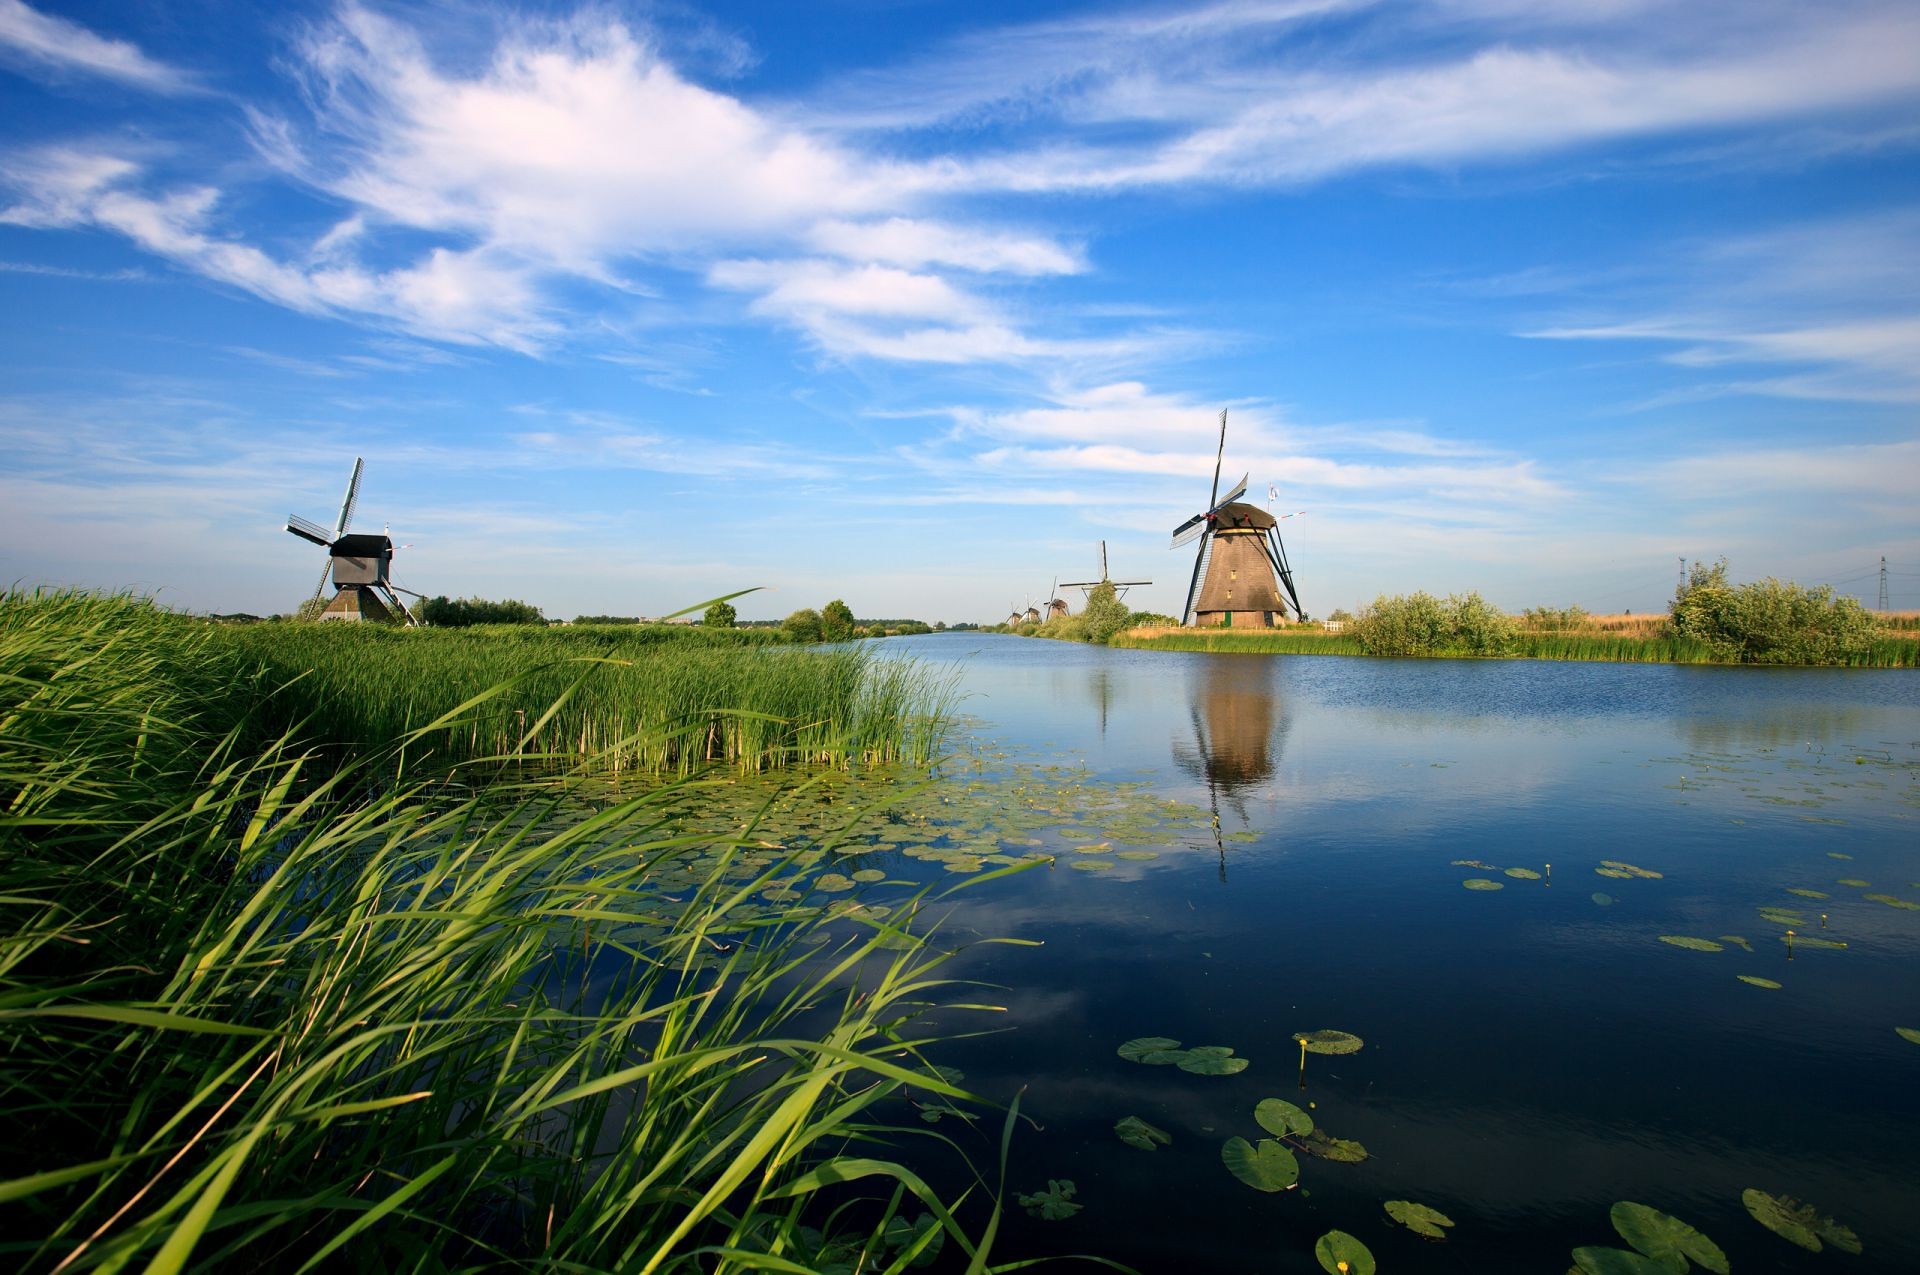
(1532, 1056)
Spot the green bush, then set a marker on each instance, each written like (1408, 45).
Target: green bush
(802, 626)
(1139, 619)
(720, 616)
(836, 621)
(458, 613)
(1421, 624)
(1104, 615)
(1769, 621)
(1553, 619)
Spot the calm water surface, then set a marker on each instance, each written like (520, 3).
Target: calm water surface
(1531, 1055)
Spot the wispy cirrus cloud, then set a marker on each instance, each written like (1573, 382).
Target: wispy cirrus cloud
(45, 43)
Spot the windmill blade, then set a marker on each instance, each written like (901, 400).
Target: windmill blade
(346, 505)
(1187, 530)
(308, 530)
(321, 588)
(1239, 490)
(1277, 554)
(1213, 499)
(1193, 588)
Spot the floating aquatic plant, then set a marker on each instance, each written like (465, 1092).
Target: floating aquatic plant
(1855, 882)
(1736, 940)
(1598, 1260)
(1054, 1204)
(1326, 1147)
(1523, 874)
(1808, 894)
(1692, 944)
(1632, 870)
(1091, 865)
(1909, 1033)
(1419, 1218)
(1604, 900)
(1798, 1223)
(1264, 1166)
(1482, 883)
(1136, 1132)
(1666, 1239)
(1342, 1254)
(1757, 981)
(1892, 902)
(1155, 1051)
(1328, 1041)
(1282, 1119)
(1475, 863)
(1212, 1060)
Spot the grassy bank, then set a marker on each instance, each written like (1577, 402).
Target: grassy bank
(1886, 651)
(626, 696)
(258, 1017)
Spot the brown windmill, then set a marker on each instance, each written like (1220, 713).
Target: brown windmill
(1240, 575)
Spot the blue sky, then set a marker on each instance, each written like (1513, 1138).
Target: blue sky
(913, 303)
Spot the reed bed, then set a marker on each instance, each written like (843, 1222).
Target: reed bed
(257, 1017)
(629, 699)
(1302, 641)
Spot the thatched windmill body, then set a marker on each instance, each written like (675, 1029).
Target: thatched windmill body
(360, 565)
(1240, 573)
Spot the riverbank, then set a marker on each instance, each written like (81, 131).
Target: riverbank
(1889, 649)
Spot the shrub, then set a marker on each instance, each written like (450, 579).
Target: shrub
(802, 626)
(836, 621)
(1421, 624)
(458, 613)
(1550, 619)
(1769, 621)
(1142, 618)
(1104, 615)
(719, 616)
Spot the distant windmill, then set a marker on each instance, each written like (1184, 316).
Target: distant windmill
(1241, 568)
(359, 565)
(1120, 587)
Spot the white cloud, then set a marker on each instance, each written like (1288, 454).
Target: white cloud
(38, 39)
(903, 241)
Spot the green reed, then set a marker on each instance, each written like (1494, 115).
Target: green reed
(629, 699)
(261, 1013)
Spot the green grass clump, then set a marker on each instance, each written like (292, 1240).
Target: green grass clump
(265, 1012)
(1249, 641)
(620, 694)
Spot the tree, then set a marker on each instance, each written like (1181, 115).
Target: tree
(802, 626)
(939, 626)
(1768, 621)
(836, 621)
(1105, 614)
(458, 613)
(719, 616)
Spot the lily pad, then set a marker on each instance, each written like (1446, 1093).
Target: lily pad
(1137, 856)
(1757, 981)
(1342, 1254)
(1782, 916)
(1616, 873)
(1855, 882)
(1736, 940)
(1632, 870)
(1339, 1150)
(1808, 894)
(1155, 1051)
(1475, 863)
(1595, 1260)
(868, 876)
(1136, 1132)
(1281, 1118)
(1481, 883)
(1523, 874)
(1330, 1042)
(1835, 854)
(1265, 1166)
(832, 883)
(1212, 1060)
(1798, 1223)
(1604, 900)
(1909, 1033)
(1692, 944)
(1054, 1204)
(1419, 1219)
(1091, 865)
(1892, 902)
(1803, 940)
(1666, 1239)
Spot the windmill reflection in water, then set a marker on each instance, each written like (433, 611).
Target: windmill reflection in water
(1239, 732)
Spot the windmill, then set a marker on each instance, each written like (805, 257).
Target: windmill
(360, 565)
(1056, 605)
(1241, 568)
(1120, 587)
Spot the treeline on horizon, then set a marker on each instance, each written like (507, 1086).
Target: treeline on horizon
(834, 622)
